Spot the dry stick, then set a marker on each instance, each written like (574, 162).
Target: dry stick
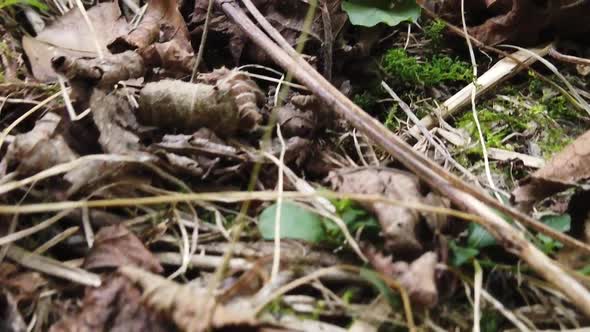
(422, 166)
(501, 71)
(414, 161)
(438, 178)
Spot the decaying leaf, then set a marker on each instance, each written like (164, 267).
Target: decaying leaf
(519, 21)
(191, 308)
(568, 168)
(115, 306)
(10, 319)
(40, 148)
(418, 278)
(229, 105)
(161, 38)
(23, 285)
(398, 223)
(116, 246)
(113, 117)
(71, 36)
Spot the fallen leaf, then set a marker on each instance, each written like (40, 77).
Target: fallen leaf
(518, 21)
(10, 319)
(115, 246)
(296, 222)
(417, 278)
(162, 38)
(398, 223)
(369, 13)
(39, 149)
(70, 36)
(568, 168)
(113, 117)
(115, 306)
(190, 307)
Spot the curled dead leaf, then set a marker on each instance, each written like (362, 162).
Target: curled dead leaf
(568, 168)
(162, 38)
(398, 223)
(418, 278)
(115, 306)
(71, 36)
(191, 308)
(39, 149)
(116, 246)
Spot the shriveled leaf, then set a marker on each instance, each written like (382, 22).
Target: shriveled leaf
(116, 246)
(398, 224)
(161, 38)
(71, 36)
(417, 278)
(568, 168)
(296, 223)
(190, 307)
(115, 306)
(372, 12)
(40, 148)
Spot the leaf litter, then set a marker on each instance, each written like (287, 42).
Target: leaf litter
(147, 131)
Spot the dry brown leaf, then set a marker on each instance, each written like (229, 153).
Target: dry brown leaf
(115, 306)
(191, 308)
(10, 319)
(161, 38)
(568, 168)
(519, 21)
(418, 278)
(40, 148)
(23, 285)
(116, 246)
(398, 223)
(71, 36)
(113, 117)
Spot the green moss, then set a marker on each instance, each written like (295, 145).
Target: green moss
(366, 100)
(434, 32)
(439, 69)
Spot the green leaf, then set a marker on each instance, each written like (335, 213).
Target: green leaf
(296, 223)
(369, 13)
(461, 255)
(560, 223)
(479, 238)
(374, 278)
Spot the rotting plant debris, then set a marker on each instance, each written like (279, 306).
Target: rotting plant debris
(111, 128)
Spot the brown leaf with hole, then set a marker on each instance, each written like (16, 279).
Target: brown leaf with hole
(191, 308)
(398, 223)
(70, 35)
(10, 319)
(568, 168)
(418, 278)
(161, 38)
(115, 306)
(116, 246)
(39, 149)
